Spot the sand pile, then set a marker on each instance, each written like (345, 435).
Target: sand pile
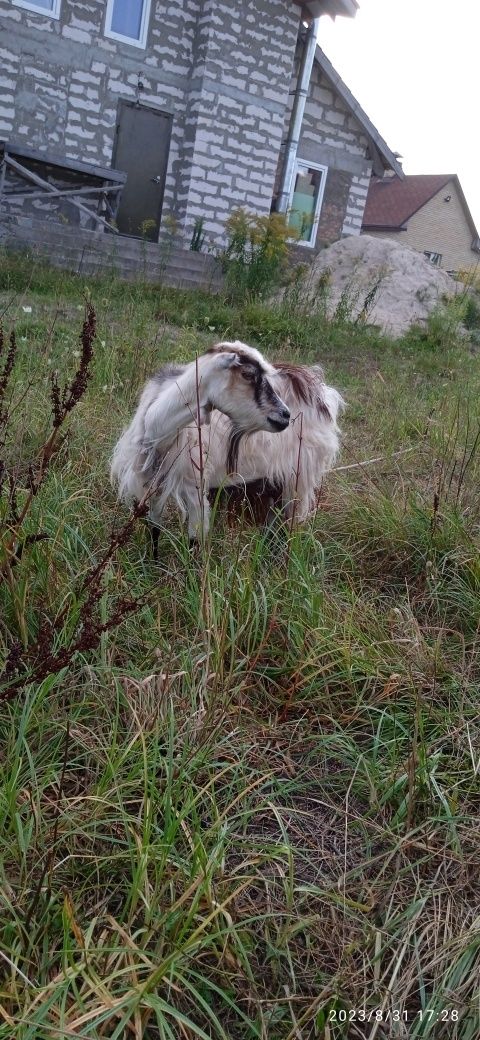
(409, 286)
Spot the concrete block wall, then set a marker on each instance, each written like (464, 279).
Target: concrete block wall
(235, 117)
(222, 69)
(65, 78)
(87, 253)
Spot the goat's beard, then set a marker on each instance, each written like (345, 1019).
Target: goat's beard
(235, 437)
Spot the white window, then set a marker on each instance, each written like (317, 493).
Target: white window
(305, 202)
(127, 20)
(435, 258)
(49, 7)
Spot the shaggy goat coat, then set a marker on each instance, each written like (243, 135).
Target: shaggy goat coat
(297, 461)
(222, 453)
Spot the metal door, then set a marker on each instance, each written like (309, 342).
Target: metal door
(141, 151)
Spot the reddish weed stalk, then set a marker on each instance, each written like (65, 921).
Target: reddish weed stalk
(31, 661)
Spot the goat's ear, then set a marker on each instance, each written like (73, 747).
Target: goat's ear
(230, 361)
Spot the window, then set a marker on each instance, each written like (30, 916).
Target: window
(127, 20)
(305, 202)
(49, 7)
(435, 258)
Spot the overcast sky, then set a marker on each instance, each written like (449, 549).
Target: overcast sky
(413, 65)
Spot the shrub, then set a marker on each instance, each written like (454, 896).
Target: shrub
(470, 276)
(255, 259)
(471, 317)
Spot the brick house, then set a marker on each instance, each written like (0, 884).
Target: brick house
(204, 107)
(428, 213)
(338, 135)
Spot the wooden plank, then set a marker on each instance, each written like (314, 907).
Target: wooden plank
(103, 172)
(30, 176)
(62, 192)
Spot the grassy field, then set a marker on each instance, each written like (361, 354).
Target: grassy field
(252, 812)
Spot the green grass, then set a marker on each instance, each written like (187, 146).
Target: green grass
(255, 808)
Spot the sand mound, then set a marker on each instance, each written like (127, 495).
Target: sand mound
(409, 286)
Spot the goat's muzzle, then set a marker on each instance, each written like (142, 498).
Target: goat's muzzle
(280, 420)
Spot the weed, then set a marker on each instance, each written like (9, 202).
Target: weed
(31, 651)
(198, 236)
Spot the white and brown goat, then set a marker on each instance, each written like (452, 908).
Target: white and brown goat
(215, 423)
(163, 453)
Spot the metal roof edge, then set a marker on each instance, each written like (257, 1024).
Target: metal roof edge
(384, 227)
(334, 8)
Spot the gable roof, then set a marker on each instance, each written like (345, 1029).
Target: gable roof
(392, 202)
(383, 157)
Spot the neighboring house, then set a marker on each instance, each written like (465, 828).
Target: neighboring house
(428, 213)
(191, 100)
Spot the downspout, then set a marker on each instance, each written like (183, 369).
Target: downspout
(296, 118)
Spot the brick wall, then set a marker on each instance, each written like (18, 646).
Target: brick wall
(334, 207)
(222, 69)
(241, 77)
(333, 137)
(66, 78)
(86, 253)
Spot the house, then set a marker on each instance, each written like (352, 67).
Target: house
(428, 213)
(176, 112)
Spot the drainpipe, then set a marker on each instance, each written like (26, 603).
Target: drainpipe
(296, 118)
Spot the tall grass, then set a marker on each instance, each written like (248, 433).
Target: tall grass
(252, 811)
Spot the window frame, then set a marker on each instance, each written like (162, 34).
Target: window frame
(434, 258)
(300, 166)
(30, 5)
(144, 26)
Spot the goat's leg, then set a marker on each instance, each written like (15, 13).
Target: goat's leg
(153, 522)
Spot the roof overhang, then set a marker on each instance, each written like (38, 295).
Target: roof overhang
(384, 227)
(334, 8)
(381, 155)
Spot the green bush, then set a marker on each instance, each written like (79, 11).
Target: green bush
(255, 259)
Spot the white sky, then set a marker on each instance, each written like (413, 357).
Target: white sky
(413, 65)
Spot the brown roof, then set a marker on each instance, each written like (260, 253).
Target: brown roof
(391, 201)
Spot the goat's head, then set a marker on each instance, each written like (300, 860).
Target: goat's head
(239, 384)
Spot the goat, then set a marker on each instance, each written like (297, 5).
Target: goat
(160, 455)
(186, 462)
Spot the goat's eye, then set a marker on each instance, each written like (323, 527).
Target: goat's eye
(248, 375)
